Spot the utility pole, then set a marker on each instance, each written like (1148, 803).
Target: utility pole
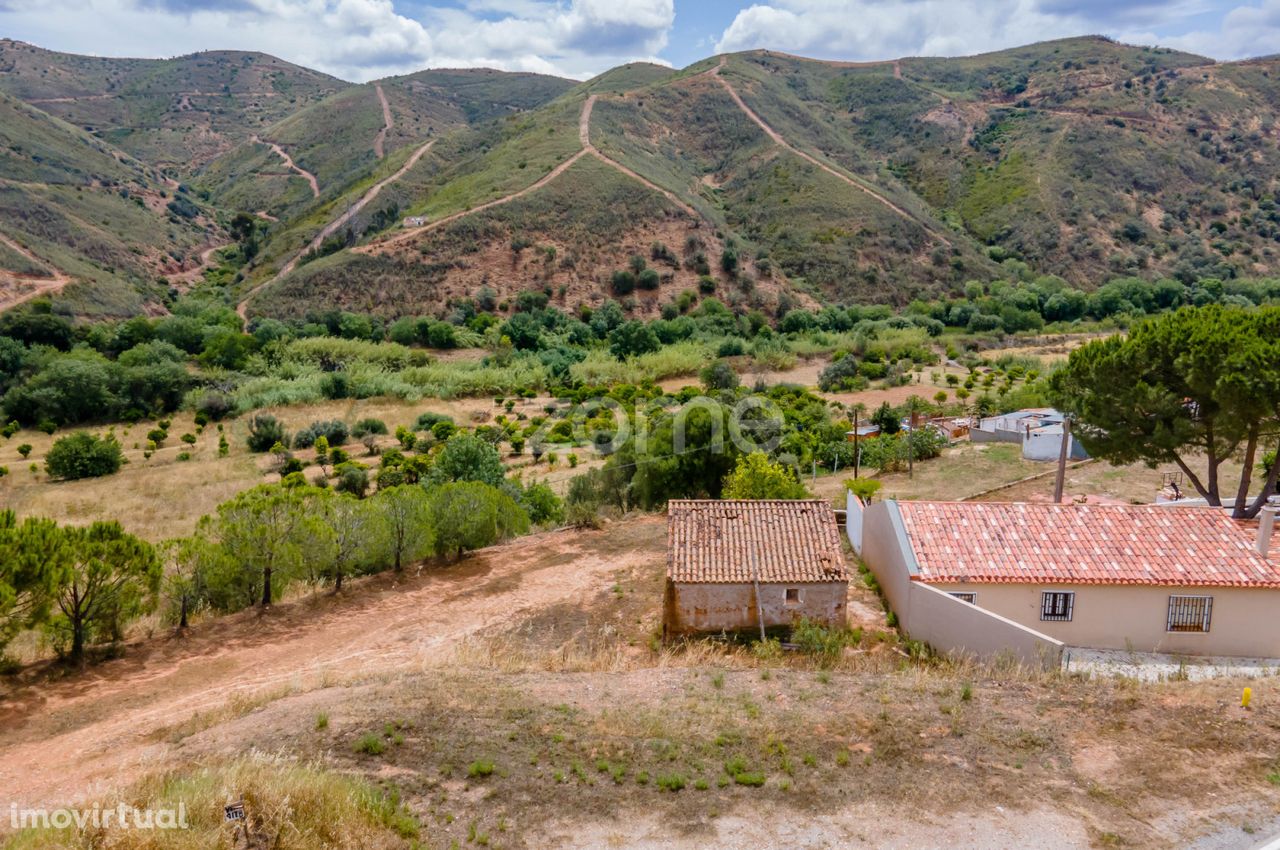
(911, 469)
(857, 454)
(1061, 480)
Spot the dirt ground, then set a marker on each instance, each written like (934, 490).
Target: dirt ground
(537, 656)
(65, 737)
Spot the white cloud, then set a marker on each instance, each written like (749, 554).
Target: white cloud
(1252, 30)
(882, 29)
(358, 39)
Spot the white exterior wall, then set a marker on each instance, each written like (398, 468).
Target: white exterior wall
(944, 622)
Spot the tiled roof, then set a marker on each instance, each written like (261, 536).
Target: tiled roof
(1082, 544)
(726, 541)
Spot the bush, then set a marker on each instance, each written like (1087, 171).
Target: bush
(719, 376)
(82, 455)
(823, 642)
(623, 282)
(264, 432)
(213, 406)
(333, 430)
(368, 426)
(731, 347)
(428, 420)
(864, 488)
(841, 375)
(353, 479)
(370, 744)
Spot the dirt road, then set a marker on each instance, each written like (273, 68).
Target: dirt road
(192, 275)
(290, 164)
(779, 140)
(588, 149)
(66, 740)
(334, 226)
(380, 140)
(410, 232)
(17, 288)
(584, 134)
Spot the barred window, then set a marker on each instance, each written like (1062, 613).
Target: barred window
(1057, 605)
(971, 598)
(1189, 613)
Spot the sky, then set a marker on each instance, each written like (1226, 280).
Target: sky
(360, 40)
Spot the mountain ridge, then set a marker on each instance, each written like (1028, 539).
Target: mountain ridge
(824, 180)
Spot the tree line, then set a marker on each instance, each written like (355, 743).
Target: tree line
(82, 586)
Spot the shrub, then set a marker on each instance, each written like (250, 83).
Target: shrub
(731, 347)
(353, 479)
(82, 455)
(623, 282)
(213, 406)
(719, 376)
(864, 488)
(333, 430)
(823, 642)
(670, 781)
(264, 432)
(25, 450)
(480, 768)
(427, 421)
(368, 426)
(370, 744)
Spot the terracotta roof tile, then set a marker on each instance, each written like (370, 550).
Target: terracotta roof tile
(723, 541)
(1083, 544)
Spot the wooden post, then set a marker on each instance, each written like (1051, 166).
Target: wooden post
(755, 581)
(1061, 480)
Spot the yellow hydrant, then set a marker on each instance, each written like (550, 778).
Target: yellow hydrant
(1247, 698)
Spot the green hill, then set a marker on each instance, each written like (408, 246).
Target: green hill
(799, 179)
(110, 222)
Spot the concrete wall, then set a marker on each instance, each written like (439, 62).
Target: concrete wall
(944, 622)
(979, 435)
(692, 608)
(1245, 622)
(1045, 444)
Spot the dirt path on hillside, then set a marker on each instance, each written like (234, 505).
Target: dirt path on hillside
(779, 140)
(410, 232)
(588, 149)
(290, 164)
(334, 226)
(381, 139)
(193, 275)
(18, 289)
(66, 740)
(584, 135)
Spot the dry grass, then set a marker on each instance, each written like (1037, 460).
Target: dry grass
(164, 497)
(290, 806)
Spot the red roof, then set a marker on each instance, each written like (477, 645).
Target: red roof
(740, 540)
(1083, 544)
